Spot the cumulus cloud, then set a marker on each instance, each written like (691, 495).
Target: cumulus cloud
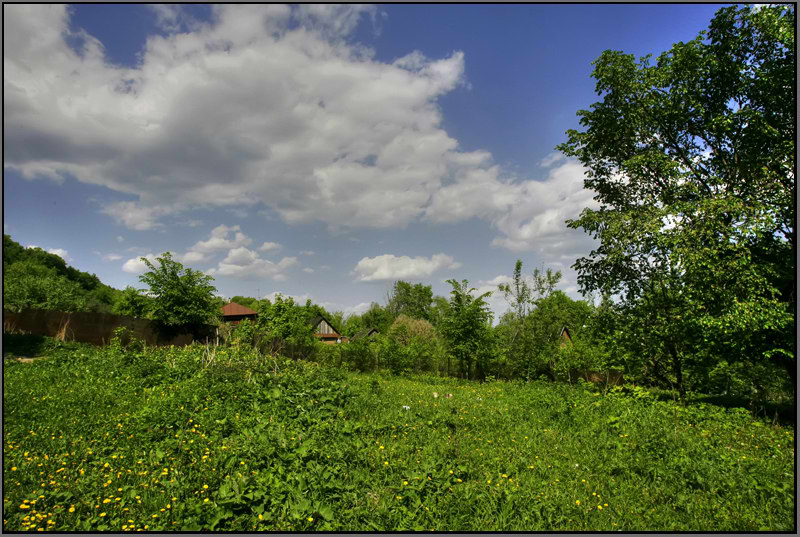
(294, 117)
(391, 267)
(267, 246)
(243, 263)
(112, 257)
(222, 238)
(135, 216)
(60, 252)
(135, 265)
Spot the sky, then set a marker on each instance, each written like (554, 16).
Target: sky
(317, 151)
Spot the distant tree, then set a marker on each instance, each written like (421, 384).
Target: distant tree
(183, 299)
(411, 300)
(692, 160)
(29, 285)
(377, 317)
(133, 303)
(466, 328)
(246, 301)
(286, 327)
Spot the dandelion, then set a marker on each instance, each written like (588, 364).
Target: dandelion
(405, 483)
(577, 502)
(102, 514)
(599, 507)
(260, 516)
(71, 508)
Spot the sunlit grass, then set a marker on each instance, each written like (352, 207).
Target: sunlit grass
(115, 440)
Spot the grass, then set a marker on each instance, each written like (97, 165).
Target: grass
(193, 438)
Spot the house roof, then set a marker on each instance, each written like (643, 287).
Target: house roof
(236, 309)
(316, 320)
(564, 330)
(364, 333)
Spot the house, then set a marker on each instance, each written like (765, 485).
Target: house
(233, 313)
(565, 337)
(366, 333)
(325, 331)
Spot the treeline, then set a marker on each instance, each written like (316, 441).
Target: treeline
(34, 278)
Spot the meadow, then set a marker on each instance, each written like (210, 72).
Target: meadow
(125, 439)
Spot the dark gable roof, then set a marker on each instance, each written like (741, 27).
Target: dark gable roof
(563, 331)
(236, 309)
(316, 320)
(364, 333)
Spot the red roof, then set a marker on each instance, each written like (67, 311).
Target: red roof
(236, 309)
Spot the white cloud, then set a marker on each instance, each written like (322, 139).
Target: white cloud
(120, 238)
(306, 252)
(112, 257)
(308, 270)
(134, 216)
(60, 252)
(267, 246)
(243, 263)
(221, 240)
(135, 265)
(295, 118)
(391, 267)
(552, 158)
(358, 309)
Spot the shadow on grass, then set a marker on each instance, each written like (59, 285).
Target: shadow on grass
(783, 412)
(28, 345)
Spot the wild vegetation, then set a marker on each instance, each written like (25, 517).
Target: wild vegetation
(690, 294)
(225, 438)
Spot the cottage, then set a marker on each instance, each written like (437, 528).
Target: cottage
(325, 331)
(366, 333)
(565, 337)
(233, 313)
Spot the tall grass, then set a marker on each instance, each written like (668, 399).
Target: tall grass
(217, 438)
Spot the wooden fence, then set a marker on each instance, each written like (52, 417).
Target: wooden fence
(88, 327)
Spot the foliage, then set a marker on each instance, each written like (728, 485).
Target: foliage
(410, 300)
(133, 303)
(89, 292)
(692, 161)
(27, 285)
(183, 299)
(286, 328)
(466, 329)
(223, 439)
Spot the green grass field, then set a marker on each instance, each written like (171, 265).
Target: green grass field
(184, 439)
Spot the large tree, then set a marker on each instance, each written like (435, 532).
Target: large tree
(692, 159)
(183, 299)
(411, 300)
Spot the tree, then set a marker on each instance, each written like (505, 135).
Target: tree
(28, 285)
(692, 160)
(133, 303)
(183, 299)
(411, 300)
(286, 327)
(466, 328)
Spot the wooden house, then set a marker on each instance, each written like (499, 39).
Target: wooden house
(233, 313)
(325, 331)
(366, 333)
(565, 337)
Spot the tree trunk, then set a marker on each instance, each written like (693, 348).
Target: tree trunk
(677, 370)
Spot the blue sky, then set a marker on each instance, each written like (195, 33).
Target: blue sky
(317, 151)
